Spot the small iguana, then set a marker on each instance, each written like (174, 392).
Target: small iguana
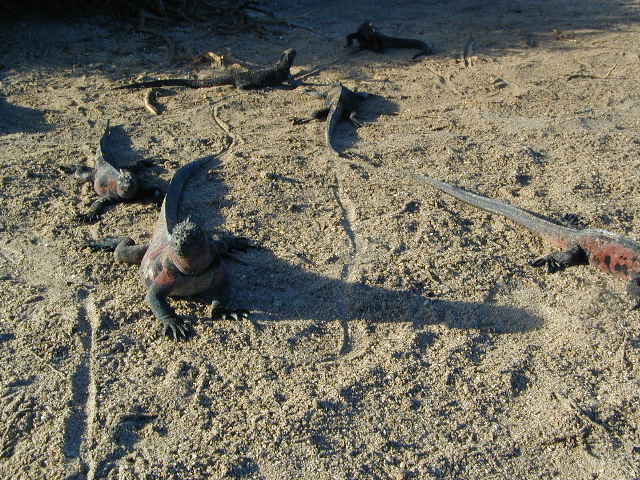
(607, 251)
(340, 104)
(110, 183)
(368, 38)
(179, 260)
(242, 79)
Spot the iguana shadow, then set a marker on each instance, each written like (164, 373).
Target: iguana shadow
(16, 119)
(278, 292)
(292, 291)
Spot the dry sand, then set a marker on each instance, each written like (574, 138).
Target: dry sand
(396, 333)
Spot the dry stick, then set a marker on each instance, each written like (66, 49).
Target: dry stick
(611, 70)
(149, 98)
(621, 352)
(438, 76)
(317, 70)
(588, 75)
(224, 126)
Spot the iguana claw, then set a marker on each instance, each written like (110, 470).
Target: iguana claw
(218, 311)
(178, 330)
(552, 264)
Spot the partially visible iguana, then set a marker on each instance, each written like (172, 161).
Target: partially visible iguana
(242, 79)
(368, 38)
(179, 260)
(607, 251)
(340, 104)
(110, 183)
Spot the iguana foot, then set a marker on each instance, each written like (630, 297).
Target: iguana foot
(218, 311)
(300, 121)
(83, 174)
(95, 210)
(109, 243)
(558, 261)
(354, 120)
(88, 217)
(552, 264)
(173, 327)
(152, 194)
(141, 164)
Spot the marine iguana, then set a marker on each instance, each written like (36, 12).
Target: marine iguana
(179, 260)
(110, 183)
(607, 251)
(245, 80)
(340, 104)
(368, 38)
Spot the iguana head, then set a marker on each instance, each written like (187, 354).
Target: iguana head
(187, 238)
(287, 57)
(191, 251)
(127, 185)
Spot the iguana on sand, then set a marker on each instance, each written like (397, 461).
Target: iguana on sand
(245, 80)
(368, 38)
(610, 252)
(340, 103)
(179, 260)
(110, 183)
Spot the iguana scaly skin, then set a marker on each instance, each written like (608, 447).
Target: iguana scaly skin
(368, 38)
(179, 260)
(340, 103)
(110, 183)
(604, 250)
(273, 76)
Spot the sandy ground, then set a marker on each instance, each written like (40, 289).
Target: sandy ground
(396, 332)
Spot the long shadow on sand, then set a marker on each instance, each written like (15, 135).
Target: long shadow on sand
(16, 119)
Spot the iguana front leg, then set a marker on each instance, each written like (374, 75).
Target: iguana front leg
(95, 210)
(157, 300)
(123, 248)
(558, 261)
(84, 174)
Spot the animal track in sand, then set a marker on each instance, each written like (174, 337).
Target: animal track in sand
(80, 424)
(351, 268)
